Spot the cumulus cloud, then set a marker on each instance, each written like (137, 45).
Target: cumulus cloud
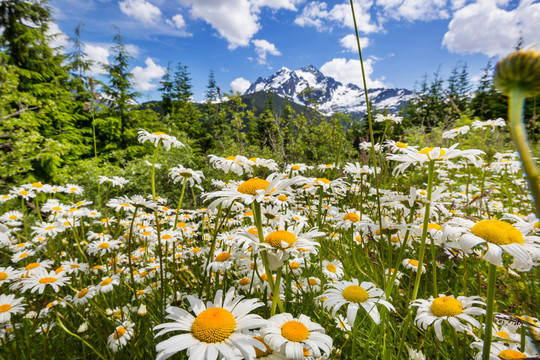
(315, 14)
(262, 48)
(235, 20)
(57, 38)
(143, 77)
(99, 55)
(177, 21)
(485, 27)
(350, 45)
(413, 10)
(141, 10)
(350, 71)
(240, 84)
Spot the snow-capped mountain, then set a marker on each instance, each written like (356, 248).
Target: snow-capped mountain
(330, 95)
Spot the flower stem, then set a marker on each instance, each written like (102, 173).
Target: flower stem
(424, 233)
(179, 203)
(516, 101)
(489, 312)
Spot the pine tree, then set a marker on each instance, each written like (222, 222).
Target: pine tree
(120, 89)
(166, 91)
(187, 115)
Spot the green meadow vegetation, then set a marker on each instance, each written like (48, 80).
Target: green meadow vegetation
(225, 230)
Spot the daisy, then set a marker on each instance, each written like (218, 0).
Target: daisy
(284, 332)
(107, 283)
(267, 163)
(477, 124)
(191, 176)
(102, 247)
(155, 138)
(49, 230)
(122, 334)
(435, 311)
(8, 274)
(389, 117)
(237, 164)
(297, 168)
(501, 237)
(413, 265)
(366, 295)
(39, 281)
(73, 189)
(332, 270)
(215, 329)
(83, 296)
(502, 351)
(10, 306)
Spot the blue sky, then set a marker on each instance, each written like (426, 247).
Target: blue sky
(244, 39)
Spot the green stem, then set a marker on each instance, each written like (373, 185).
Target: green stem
(153, 171)
(179, 203)
(489, 312)
(519, 135)
(424, 233)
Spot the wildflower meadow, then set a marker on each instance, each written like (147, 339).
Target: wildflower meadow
(424, 246)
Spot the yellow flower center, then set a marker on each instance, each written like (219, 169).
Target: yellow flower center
(277, 237)
(166, 237)
(103, 245)
(4, 308)
(3, 276)
(446, 306)
(49, 227)
(425, 151)
(320, 181)
(32, 266)
(223, 257)
(329, 165)
(119, 333)
(355, 294)
(213, 325)
(497, 232)
(352, 217)
(295, 167)
(394, 239)
(294, 331)
(244, 281)
(294, 265)
(250, 187)
(37, 185)
(434, 227)
(413, 262)
(502, 334)
(146, 233)
(82, 293)
(258, 352)
(23, 192)
(106, 282)
(511, 354)
(159, 133)
(13, 217)
(57, 208)
(331, 268)
(313, 282)
(230, 158)
(401, 145)
(282, 198)
(47, 280)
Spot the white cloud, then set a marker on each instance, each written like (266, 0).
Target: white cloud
(232, 19)
(57, 38)
(240, 84)
(350, 71)
(99, 55)
(411, 10)
(315, 14)
(349, 43)
(235, 20)
(141, 10)
(143, 77)
(262, 48)
(177, 21)
(484, 27)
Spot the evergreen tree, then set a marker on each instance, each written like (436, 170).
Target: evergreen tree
(120, 89)
(166, 91)
(186, 116)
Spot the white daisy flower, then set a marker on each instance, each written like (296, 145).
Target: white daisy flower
(366, 295)
(9, 305)
(216, 329)
(155, 138)
(181, 173)
(39, 281)
(284, 332)
(447, 308)
(121, 335)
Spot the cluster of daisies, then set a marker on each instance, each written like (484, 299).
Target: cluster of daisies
(270, 240)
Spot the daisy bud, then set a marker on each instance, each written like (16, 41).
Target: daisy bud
(519, 70)
(83, 328)
(31, 315)
(142, 310)
(109, 312)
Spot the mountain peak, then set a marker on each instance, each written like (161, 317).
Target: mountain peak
(331, 95)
